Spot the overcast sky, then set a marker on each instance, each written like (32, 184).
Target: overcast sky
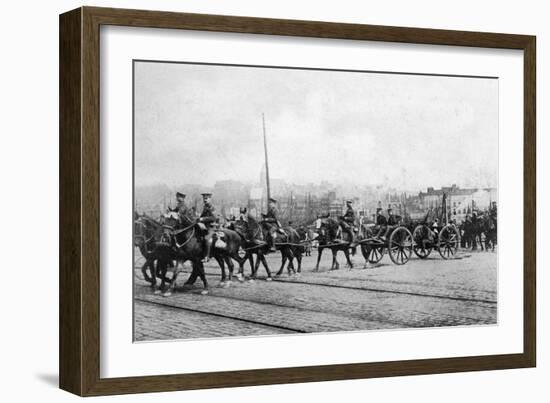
(199, 124)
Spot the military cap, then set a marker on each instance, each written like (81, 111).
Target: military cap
(180, 195)
(206, 194)
(272, 200)
(378, 209)
(349, 201)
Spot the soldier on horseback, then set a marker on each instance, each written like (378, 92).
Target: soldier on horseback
(347, 222)
(181, 208)
(272, 223)
(206, 221)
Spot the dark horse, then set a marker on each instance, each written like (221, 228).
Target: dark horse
(292, 247)
(189, 241)
(473, 232)
(253, 243)
(225, 248)
(182, 243)
(327, 228)
(147, 233)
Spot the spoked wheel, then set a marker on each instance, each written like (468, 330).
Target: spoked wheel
(448, 241)
(400, 246)
(375, 252)
(420, 238)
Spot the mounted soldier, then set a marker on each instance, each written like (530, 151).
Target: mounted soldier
(240, 225)
(347, 222)
(206, 221)
(181, 208)
(272, 223)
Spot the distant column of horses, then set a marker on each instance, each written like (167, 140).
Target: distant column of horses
(480, 232)
(167, 243)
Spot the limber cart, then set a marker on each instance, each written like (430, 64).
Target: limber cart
(401, 243)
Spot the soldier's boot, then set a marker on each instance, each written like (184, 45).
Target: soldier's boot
(271, 241)
(208, 250)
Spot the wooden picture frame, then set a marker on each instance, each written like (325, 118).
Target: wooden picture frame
(79, 349)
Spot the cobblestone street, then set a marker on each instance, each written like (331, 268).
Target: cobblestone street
(422, 293)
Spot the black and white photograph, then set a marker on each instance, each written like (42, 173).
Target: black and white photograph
(274, 200)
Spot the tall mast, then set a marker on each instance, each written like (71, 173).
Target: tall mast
(266, 163)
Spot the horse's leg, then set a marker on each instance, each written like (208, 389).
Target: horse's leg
(350, 263)
(365, 251)
(319, 253)
(222, 267)
(199, 268)
(150, 263)
(161, 273)
(144, 268)
(299, 260)
(335, 265)
(172, 281)
(283, 261)
(153, 267)
(256, 266)
(290, 267)
(230, 267)
(241, 265)
(261, 257)
(193, 276)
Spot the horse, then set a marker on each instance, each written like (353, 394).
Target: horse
(253, 243)
(474, 232)
(291, 247)
(225, 248)
(327, 228)
(147, 232)
(489, 226)
(182, 243)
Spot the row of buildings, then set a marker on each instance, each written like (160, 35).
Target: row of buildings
(303, 205)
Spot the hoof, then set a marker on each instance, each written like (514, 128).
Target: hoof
(157, 292)
(269, 279)
(204, 292)
(251, 280)
(167, 294)
(221, 284)
(240, 278)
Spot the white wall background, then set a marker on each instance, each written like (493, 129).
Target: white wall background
(29, 200)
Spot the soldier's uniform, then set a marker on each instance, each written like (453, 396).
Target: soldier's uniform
(381, 222)
(181, 208)
(272, 223)
(392, 222)
(208, 218)
(347, 221)
(271, 216)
